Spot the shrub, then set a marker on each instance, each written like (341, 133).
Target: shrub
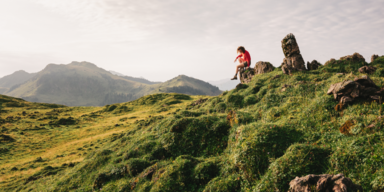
(14, 104)
(65, 121)
(230, 183)
(136, 166)
(120, 109)
(257, 144)
(205, 171)
(299, 160)
(236, 100)
(360, 159)
(190, 113)
(204, 135)
(379, 72)
(178, 176)
(109, 108)
(221, 107)
(250, 100)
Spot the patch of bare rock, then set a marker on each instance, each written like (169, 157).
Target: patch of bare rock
(261, 67)
(246, 75)
(313, 65)
(199, 101)
(367, 69)
(330, 62)
(374, 57)
(356, 57)
(293, 60)
(324, 182)
(347, 91)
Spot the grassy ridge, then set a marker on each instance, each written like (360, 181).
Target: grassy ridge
(55, 137)
(254, 138)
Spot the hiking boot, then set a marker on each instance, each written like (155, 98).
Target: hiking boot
(234, 78)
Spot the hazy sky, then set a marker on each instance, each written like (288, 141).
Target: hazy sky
(160, 39)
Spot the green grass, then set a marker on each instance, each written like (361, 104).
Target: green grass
(255, 138)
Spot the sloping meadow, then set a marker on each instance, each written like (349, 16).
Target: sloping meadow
(257, 137)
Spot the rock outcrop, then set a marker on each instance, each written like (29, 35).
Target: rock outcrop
(199, 101)
(356, 57)
(260, 68)
(246, 75)
(374, 57)
(330, 62)
(367, 69)
(313, 65)
(347, 91)
(324, 182)
(263, 67)
(293, 60)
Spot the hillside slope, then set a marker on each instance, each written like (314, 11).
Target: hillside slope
(84, 84)
(78, 83)
(38, 139)
(257, 137)
(13, 79)
(186, 85)
(140, 80)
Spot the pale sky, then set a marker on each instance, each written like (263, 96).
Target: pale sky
(160, 39)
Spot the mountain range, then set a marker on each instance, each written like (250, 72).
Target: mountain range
(85, 84)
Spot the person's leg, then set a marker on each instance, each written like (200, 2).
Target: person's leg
(237, 67)
(237, 70)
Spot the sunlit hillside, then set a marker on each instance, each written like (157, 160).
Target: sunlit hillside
(257, 137)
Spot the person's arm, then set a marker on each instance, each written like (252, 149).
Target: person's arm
(238, 57)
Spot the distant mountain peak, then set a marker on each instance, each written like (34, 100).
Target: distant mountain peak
(15, 78)
(85, 84)
(53, 67)
(83, 63)
(21, 72)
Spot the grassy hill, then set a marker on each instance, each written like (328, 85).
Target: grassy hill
(84, 84)
(254, 138)
(13, 79)
(186, 85)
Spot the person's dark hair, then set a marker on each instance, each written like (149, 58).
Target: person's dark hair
(241, 49)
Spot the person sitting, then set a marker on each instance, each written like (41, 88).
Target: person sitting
(244, 60)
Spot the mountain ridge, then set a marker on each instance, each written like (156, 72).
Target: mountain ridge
(85, 84)
(138, 79)
(17, 77)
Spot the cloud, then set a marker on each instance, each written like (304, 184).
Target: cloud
(204, 34)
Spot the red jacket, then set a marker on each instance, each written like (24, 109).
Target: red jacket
(246, 57)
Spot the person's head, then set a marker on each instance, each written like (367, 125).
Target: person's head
(240, 49)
